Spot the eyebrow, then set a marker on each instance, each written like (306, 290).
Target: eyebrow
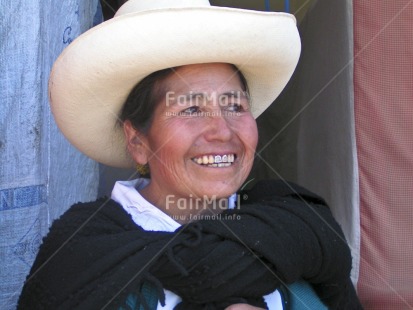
(238, 94)
(191, 95)
(231, 93)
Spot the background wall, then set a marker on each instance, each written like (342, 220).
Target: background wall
(41, 175)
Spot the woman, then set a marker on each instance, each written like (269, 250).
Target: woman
(185, 106)
(201, 133)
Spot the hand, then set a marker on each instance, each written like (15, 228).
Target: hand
(242, 307)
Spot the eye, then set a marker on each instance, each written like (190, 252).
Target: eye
(234, 102)
(235, 107)
(191, 110)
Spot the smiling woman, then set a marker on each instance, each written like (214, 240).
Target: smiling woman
(182, 134)
(185, 105)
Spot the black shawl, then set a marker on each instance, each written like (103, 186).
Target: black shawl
(95, 255)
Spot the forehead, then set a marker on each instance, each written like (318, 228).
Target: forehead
(206, 67)
(203, 76)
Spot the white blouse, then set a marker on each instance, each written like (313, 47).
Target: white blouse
(150, 218)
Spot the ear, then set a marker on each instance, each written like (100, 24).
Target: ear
(136, 143)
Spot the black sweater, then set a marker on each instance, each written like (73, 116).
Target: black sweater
(95, 255)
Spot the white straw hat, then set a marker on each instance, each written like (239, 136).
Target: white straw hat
(93, 76)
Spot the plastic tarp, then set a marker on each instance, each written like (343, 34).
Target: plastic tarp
(41, 175)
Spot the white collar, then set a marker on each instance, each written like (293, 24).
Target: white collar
(143, 213)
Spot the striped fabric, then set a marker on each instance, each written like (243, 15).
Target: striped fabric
(383, 88)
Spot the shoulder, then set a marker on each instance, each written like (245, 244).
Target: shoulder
(100, 217)
(271, 189)
(84, 238)
(102, 209)
(83, 226)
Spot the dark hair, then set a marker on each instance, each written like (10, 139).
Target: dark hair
(142, 101)
(140, 105)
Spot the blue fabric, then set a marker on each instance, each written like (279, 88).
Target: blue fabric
(40, 173)
(267, 5)
(21, 230)
(22, 197)
(303, 297)
(148, 292)
(287, 6)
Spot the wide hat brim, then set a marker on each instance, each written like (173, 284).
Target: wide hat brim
(92, 78)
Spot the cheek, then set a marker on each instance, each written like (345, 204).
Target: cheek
(170, 150)
(249, 135)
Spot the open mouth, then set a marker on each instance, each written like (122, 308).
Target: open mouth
(218, 161)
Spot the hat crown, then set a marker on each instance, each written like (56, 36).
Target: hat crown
(134, 6)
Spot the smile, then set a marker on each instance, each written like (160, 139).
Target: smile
(218, 161)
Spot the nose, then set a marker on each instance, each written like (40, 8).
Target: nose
(218, 129)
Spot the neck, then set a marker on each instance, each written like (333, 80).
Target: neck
(186, 209)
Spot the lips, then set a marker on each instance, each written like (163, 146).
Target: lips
(218, 161)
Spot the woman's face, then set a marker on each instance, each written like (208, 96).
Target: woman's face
(203, 137)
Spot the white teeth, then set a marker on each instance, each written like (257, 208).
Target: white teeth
(220, 165)
(224, 164)
(215, 161)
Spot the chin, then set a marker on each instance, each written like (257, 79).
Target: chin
(218, 192)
